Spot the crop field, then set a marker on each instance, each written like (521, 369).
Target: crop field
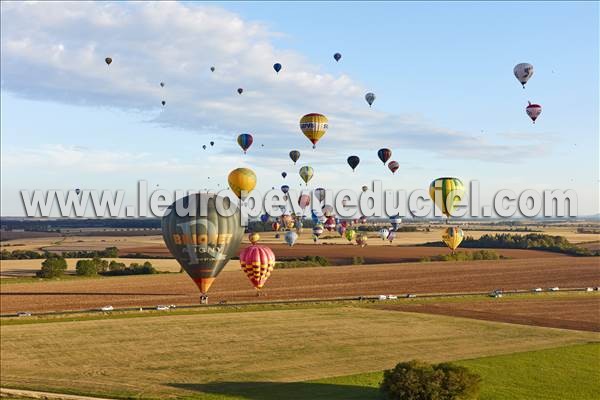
(302, 283)
(171, 355)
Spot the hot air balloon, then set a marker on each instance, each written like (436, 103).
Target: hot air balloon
(441, 197)
(363, 220)
(285, 188)
(162, 84)
(370, 98)
(384, 154)
(204, 146)
(242, 180)
(264, 217)
(284, 174)
(330, 224)
(314, 127)
(317, 230)
(453, 236)
(108, 60)
(395, 221)
(391, 236)
(383, 233)
(393, 166)
(212, 143)
(350, 233)
(304, 200)
(298, 225)
(337, 56)
(257, 262)
(327, 210)
(533, 111)
(320, 194)
(294, 155)
(523, 72)
(275, 226)
(290, 238)
(306, 173)
(253, 237)
(361, 239)
(341, 230)
(204, 242)
(365, 188)
(353, 162)
(77, 191)
(163, 103)
(240, 90)
(277, 67)
(245, 141)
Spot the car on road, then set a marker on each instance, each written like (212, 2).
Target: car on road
(554, 289)
(107, 308)
(162, 308)
(411, 296)
(382, 297)
(23, 314)
(392, 297)
(496, 293)
(537, 289)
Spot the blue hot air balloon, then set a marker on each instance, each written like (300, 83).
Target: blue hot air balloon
(277, 67)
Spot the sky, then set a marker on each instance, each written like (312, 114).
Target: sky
(447, 101)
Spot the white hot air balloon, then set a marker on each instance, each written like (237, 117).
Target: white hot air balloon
(523, 72)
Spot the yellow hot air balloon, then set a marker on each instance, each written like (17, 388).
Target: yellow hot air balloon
(306, 173)
(314, 126)
(440, 191)
(253, 237)
(453, 236)
(242, 180)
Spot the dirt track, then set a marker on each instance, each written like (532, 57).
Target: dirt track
(341, 254)
(580, 312)
(318, 282)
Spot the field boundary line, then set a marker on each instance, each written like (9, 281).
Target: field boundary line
(33, 394)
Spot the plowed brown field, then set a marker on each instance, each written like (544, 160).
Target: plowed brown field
(581, 312)
(341, 254)
(318, 282)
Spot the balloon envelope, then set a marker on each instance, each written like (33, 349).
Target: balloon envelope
(446, 193)
(245, 141)
(294, 155)
(533, 111)
(306, 173)
(393, 166)
(242, 180)
(523, 72)
(384, 154)
(257, 262)
(353, 162)
(290, 238)
(453, 236)
(108, 60)
(277, 67)
(240, 90)
(204, 242)
(337, 56)
(314, 127)
(370, 98)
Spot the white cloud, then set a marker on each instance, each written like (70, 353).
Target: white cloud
(60, 57)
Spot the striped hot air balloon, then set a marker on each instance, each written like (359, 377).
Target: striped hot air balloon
(453, 236)
(446, 193)
(393, 166)
(361, 239)
(306, 173)
(314, 127)
(384, 154)
(257, 262)
(245, 141)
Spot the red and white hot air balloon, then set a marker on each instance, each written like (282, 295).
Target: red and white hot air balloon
(533, 111)
(393, 166)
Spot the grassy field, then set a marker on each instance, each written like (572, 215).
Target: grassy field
(182, 355)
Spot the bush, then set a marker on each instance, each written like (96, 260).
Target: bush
(308, 261)
(91, 267)
(415, 380)
(52, 267)
(465, 256)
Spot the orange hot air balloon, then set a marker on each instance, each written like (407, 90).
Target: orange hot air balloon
(275, 226)
(257, 262)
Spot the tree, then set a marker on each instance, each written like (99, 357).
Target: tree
(415, 380)
(86, 268)
(52, 267)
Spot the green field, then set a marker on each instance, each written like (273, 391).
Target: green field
(185, 355)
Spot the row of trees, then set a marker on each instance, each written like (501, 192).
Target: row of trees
(534, 241)
(55, 266)
(109, 252)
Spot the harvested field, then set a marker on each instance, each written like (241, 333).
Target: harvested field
(168, 356)
(580, 312)
(317, 282)
(342, 254)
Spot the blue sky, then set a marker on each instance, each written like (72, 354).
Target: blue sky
(447, 102)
